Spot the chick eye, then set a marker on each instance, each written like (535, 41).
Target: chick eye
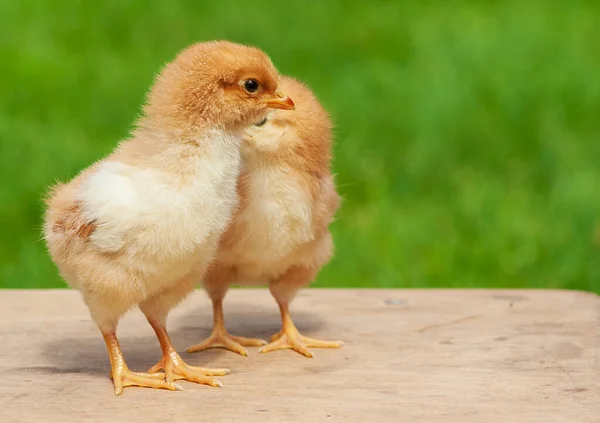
(262, 122)
(251, 85)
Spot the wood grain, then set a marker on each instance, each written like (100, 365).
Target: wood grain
(455, 356)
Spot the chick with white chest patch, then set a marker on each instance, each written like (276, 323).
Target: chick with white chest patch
(279, 234)
(140, 227)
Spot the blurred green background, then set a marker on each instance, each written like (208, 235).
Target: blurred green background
(467, 140)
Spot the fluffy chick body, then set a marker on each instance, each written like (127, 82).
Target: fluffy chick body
(279, 235)
(155, 228)
(140, 227)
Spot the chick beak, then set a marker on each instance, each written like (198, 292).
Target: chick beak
(280, 101)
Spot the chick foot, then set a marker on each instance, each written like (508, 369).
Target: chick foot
(220, 338)
(123, 377)
(290, 338)
(177, 369)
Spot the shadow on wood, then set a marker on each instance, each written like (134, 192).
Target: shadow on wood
(88, 355)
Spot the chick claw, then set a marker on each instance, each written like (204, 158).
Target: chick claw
(124, 377)
(292, 339)
(221, 339)
(177, 369)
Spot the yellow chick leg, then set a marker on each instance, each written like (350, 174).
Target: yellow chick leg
(220, 338)
(290, 338)
(174, 366)
(122, 376)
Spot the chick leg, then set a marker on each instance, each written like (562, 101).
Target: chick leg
(220, 338)
(156, 309)
(289, 337)
(122, 376)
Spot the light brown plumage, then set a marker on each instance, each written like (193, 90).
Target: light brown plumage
(139, 227)
(279, 235)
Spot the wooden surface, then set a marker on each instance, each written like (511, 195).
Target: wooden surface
(410, 356)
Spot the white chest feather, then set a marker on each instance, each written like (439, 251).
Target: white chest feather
(276, 218)
(167, 215)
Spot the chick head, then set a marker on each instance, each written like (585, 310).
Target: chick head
(215, 84)
(303, 136)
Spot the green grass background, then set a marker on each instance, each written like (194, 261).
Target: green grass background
(467, 140)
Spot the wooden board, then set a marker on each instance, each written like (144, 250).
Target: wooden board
(454, 356)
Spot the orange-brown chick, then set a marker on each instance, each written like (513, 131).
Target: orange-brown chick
(279, 234)
(139, 227)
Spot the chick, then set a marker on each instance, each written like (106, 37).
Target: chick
(139, 227)
(280, 233)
